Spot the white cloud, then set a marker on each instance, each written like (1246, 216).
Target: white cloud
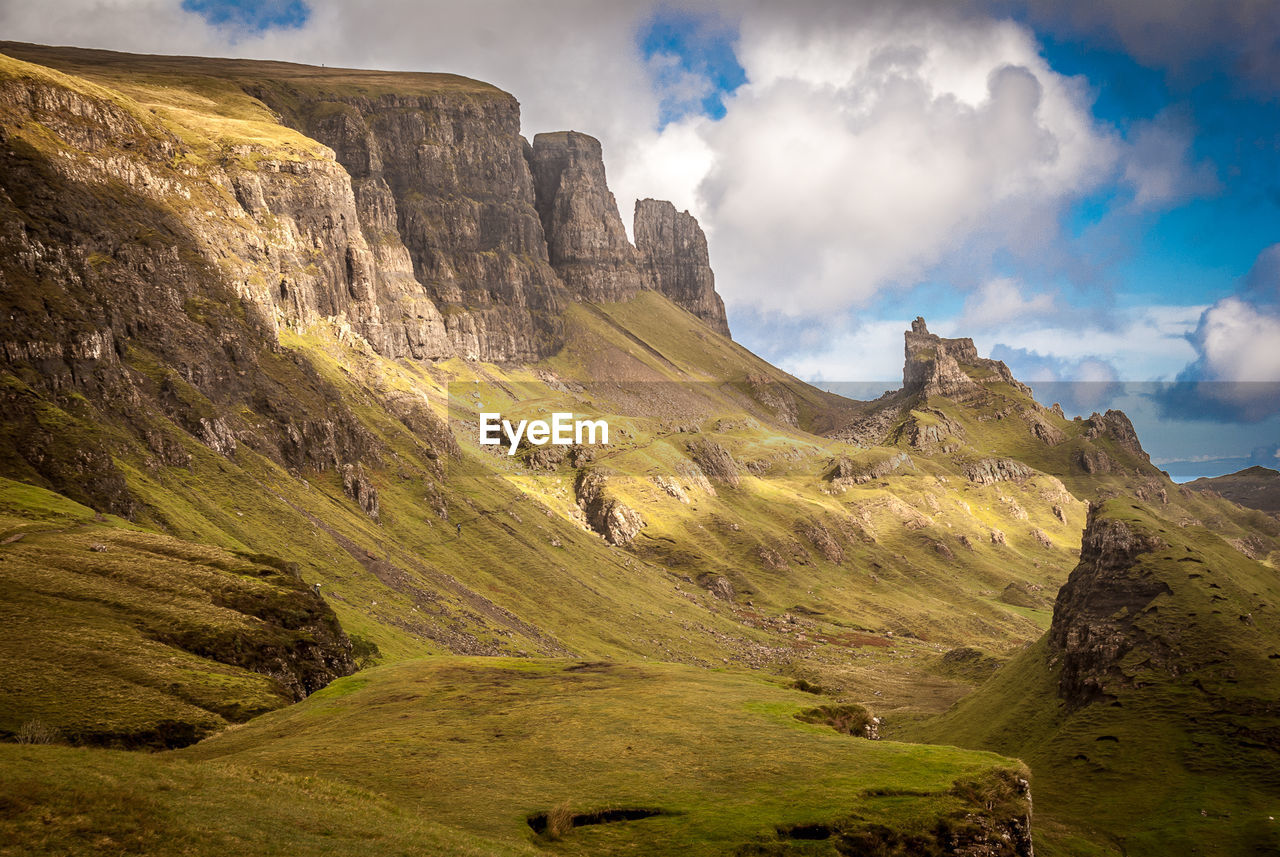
(1001, 300)
(866, 149)
(870, 352)
(1239, 342)
(1147, 343)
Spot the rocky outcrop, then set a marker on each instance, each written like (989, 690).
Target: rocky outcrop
(715, 462)
(942, 367)
(844, 472)
(991, 470)
(1095, 618)
(994, 820)
(453, 259)
(586, 241)
(1115, 425)
(674, 260)
(1092, 460)
(931, 430)
(356, 485)
(617, 522)
(1044, 430)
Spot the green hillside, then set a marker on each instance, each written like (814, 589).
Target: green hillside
(240, 459)
(1173, 745)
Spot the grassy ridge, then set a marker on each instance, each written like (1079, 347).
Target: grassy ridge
(484, 744)
(120, 637)
(1183, 759)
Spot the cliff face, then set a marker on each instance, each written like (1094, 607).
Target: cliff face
(586, 241)
(673, 254)
(1096, 617)
(445, 201)
(152, 262)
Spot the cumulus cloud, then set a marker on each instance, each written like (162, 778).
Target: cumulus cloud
(1002, 300)
(866, 148)
(1147, 343)
(1236, 371)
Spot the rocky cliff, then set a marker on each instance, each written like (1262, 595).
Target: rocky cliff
(1095, 618)
(673, 254)
(586, 241)
(408, 214)
(457, 261)
(933, 365)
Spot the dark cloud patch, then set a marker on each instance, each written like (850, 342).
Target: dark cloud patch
(1218, 401)
(1192, 40)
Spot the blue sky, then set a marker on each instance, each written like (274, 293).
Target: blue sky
(252, 16)
(1114, 254)
(1089, 190)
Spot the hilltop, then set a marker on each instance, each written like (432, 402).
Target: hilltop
(1254, 487)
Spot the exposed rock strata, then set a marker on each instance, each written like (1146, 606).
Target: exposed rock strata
(586, 241)
(1094, 619)
(674, 260)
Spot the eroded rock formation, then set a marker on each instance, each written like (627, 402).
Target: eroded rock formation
(1096, 616)
(586, 241)
(936, 366)
(674, 260)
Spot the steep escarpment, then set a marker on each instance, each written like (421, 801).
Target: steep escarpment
(445, 201)
(586, 241)
(673, 256)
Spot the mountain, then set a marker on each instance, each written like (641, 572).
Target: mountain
(255, 317)
(1254, 487)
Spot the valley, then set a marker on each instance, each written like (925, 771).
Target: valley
(266, 590)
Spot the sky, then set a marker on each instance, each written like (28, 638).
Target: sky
(1089, 190)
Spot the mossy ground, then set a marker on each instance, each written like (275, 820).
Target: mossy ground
(484, 744)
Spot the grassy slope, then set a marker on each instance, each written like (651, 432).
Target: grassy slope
(121, 637)
(65, 801)
(483, 744)
(1177, 764)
